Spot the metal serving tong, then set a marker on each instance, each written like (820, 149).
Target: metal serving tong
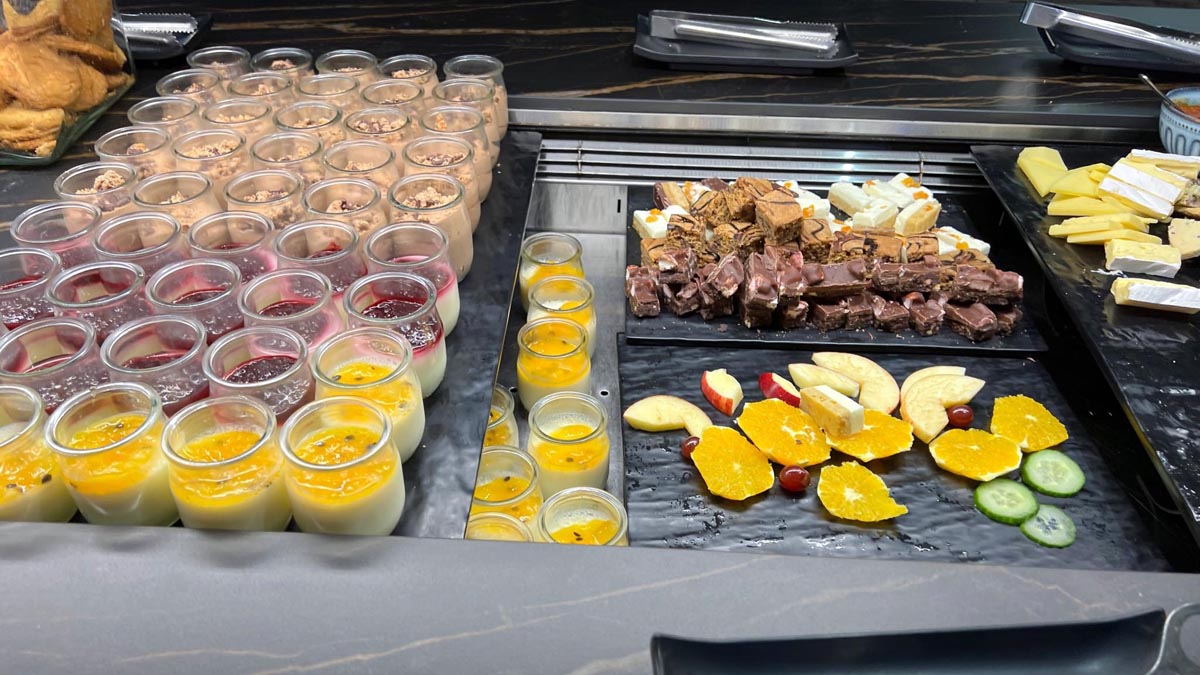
(1174, 44)
(155, 29)
(742, 31)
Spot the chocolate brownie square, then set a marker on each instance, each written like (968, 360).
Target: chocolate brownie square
(816, 238)
(827, 316)
(889, 315)
(974, 321)
(859, 311)
(642, 291)
(778, 217)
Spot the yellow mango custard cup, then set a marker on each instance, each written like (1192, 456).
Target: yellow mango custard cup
(568, 438)
(549, 254)
(343, 475)
(225, 467)
(584, 516)
(108, 442)
(565, 298)
(375, 364)
(507, 483)
(496, 527)
(553, 358)
(31, 485)
(502, 422)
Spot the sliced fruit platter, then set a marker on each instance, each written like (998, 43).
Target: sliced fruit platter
(835, 453)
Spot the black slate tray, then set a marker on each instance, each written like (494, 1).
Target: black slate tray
(730, 332)
(670, 507)
(1149, 358)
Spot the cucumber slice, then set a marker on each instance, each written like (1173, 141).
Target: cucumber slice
(1005, 501)
(1050, 472)
(1051, 526)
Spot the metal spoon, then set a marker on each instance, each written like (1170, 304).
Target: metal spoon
(1164, 97)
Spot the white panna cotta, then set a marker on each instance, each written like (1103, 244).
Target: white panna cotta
(570, 452)
(399, 397)
(448, 306)
(33, 488)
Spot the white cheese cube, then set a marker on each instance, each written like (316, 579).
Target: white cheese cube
(1184, 236)
(1122, 255)
(950, 238)
(880, 214)
(1162, 295)
(848, 197)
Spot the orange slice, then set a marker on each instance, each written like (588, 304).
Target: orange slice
(852, 492)
(730, 466)
(786, 434)
(1027, 423)
(974, 453)
(882, 436)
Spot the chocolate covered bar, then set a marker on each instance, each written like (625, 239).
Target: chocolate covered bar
(883, 245)
(676, 265)
(973, 321)
(892, 277)
(860, 311)
(683, 300)
(792, 315)
(667, 193)
(835, 280)
(715, 184)
(776, 254)
(642, 291)
(989, 286)
(926, 316)
(778, 217)
(789, 267)
(760, 292)
(889, 315)
(726, 276)
(1007, 318)
(827, 316)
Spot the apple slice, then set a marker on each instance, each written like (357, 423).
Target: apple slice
(807, 375)
(925, 404)
(926, 372)
(877, 388)
(774, 386)
(666, 413)
(722, 390)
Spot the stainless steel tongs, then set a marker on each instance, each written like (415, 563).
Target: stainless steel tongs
(1168, 42)
(741, 31)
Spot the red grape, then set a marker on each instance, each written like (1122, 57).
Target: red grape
(689, 444)
(794, 479)
(961, 416)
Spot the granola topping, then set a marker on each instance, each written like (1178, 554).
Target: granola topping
(440, 158)
(282, 64)
(376, 125)
(428, 198)
(395, 100)
(176, 198)
(264, 89)
(404, 73)
(342, 206)
(233, 119)
(310, 122)
(260, 196)
(348, 69)
(208, 150)
(106, 181)
(352, 165)
(136, 149)
(193, 88)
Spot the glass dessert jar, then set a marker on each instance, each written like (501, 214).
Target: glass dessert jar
(553, 358)
(186, 196)
(108, 442)
(106, 185)
(565, 298)
(376, 365)
(326, 246)
(290, 62)
(165, 353)
(25, 274)
(204, 289)
(54, 357)
(465, 123)
(31, 486)
(173, 115)
(62, 228)
(146, 149)
(568, 438)
(451, 157)
(251, 119)
(343, 473)
(507, 483)
(420, 70)
(496, 527)
(477, 94)
(268, 363)
(227, 62)
(502, 422)
(299, 299)
(406, 304)
(583, 515)
(292, 151)
(224, 466)
(367, 160)
(419, 249)
(389, 126)
(352, 201)
(276, 91)
(196, 84)
(484, 68)
(219, 154)
(355, 63)
(317, 119)
(275, 195)
(148, 239)
(403, 95)
(104, 294)
(439, 201)
(548, 254)
(241, 237)
(339, 91)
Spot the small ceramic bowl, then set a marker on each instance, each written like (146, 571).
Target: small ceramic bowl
(1180, 134)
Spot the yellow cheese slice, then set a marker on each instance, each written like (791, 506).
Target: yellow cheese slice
(1076, 182)
(1041, 174)
(1083, 206)
(1101, 237)
(1045, 155)
(1097, 175)
(1123, 221)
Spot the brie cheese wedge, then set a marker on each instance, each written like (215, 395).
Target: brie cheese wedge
(652, 224)
(1162, 295)
(1162, 184)
(950, 238)
(1135, 197)
(1160, 260)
